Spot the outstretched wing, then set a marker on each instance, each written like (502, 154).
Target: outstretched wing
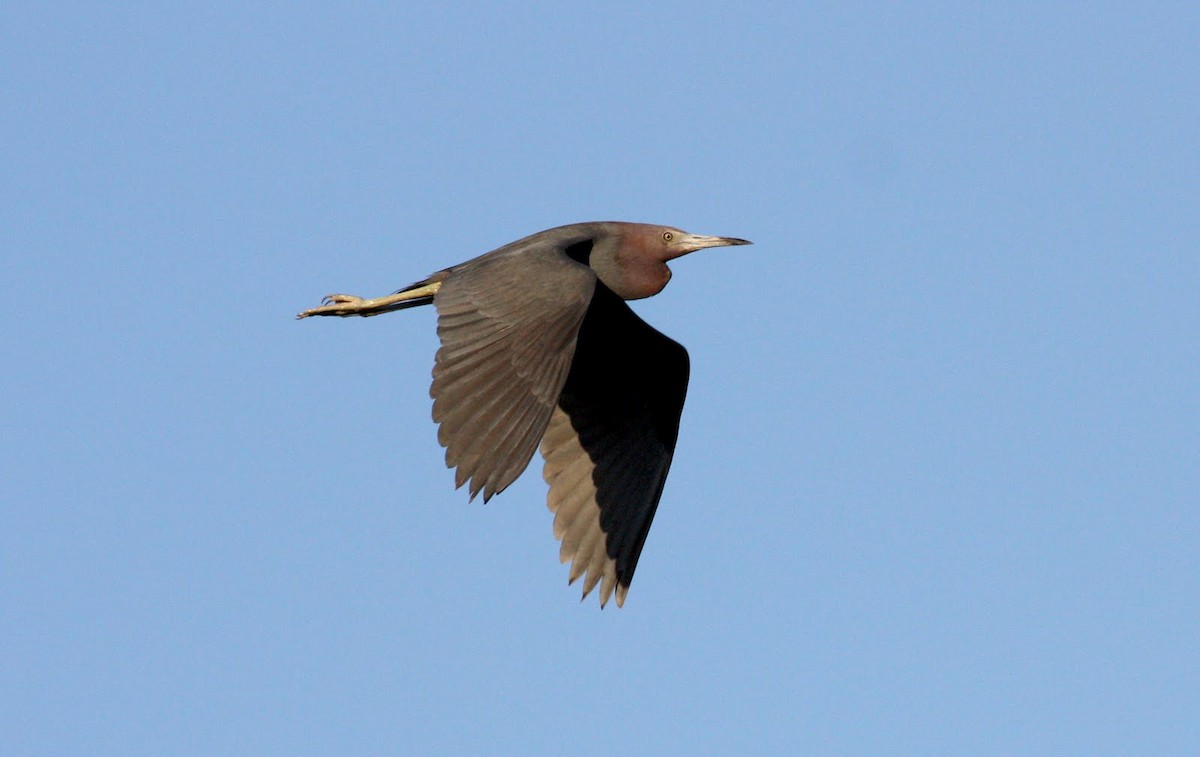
(508, 324)
(610, 441)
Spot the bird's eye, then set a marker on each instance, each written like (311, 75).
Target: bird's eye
(668, 236)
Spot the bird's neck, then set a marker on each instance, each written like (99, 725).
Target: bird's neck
(630, 272)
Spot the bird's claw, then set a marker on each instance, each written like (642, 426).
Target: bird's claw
(334, 304)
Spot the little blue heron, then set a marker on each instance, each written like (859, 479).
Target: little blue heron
(538, 345)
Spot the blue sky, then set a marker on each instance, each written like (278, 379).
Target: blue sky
(936, 488)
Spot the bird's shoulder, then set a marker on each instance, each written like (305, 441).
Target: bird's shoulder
(546, 266)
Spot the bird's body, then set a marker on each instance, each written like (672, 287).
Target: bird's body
(538, 346)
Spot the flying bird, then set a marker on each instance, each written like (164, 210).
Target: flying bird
(538, 346)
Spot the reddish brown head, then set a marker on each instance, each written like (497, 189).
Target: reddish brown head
(631, 258)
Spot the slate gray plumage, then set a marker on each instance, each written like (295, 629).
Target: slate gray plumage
(539, 348)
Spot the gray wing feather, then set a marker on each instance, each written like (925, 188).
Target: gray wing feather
(610, 441)
(508, 325)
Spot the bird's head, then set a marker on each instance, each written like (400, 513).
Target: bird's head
(632, 259)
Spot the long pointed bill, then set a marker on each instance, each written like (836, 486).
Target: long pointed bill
(693, 242)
